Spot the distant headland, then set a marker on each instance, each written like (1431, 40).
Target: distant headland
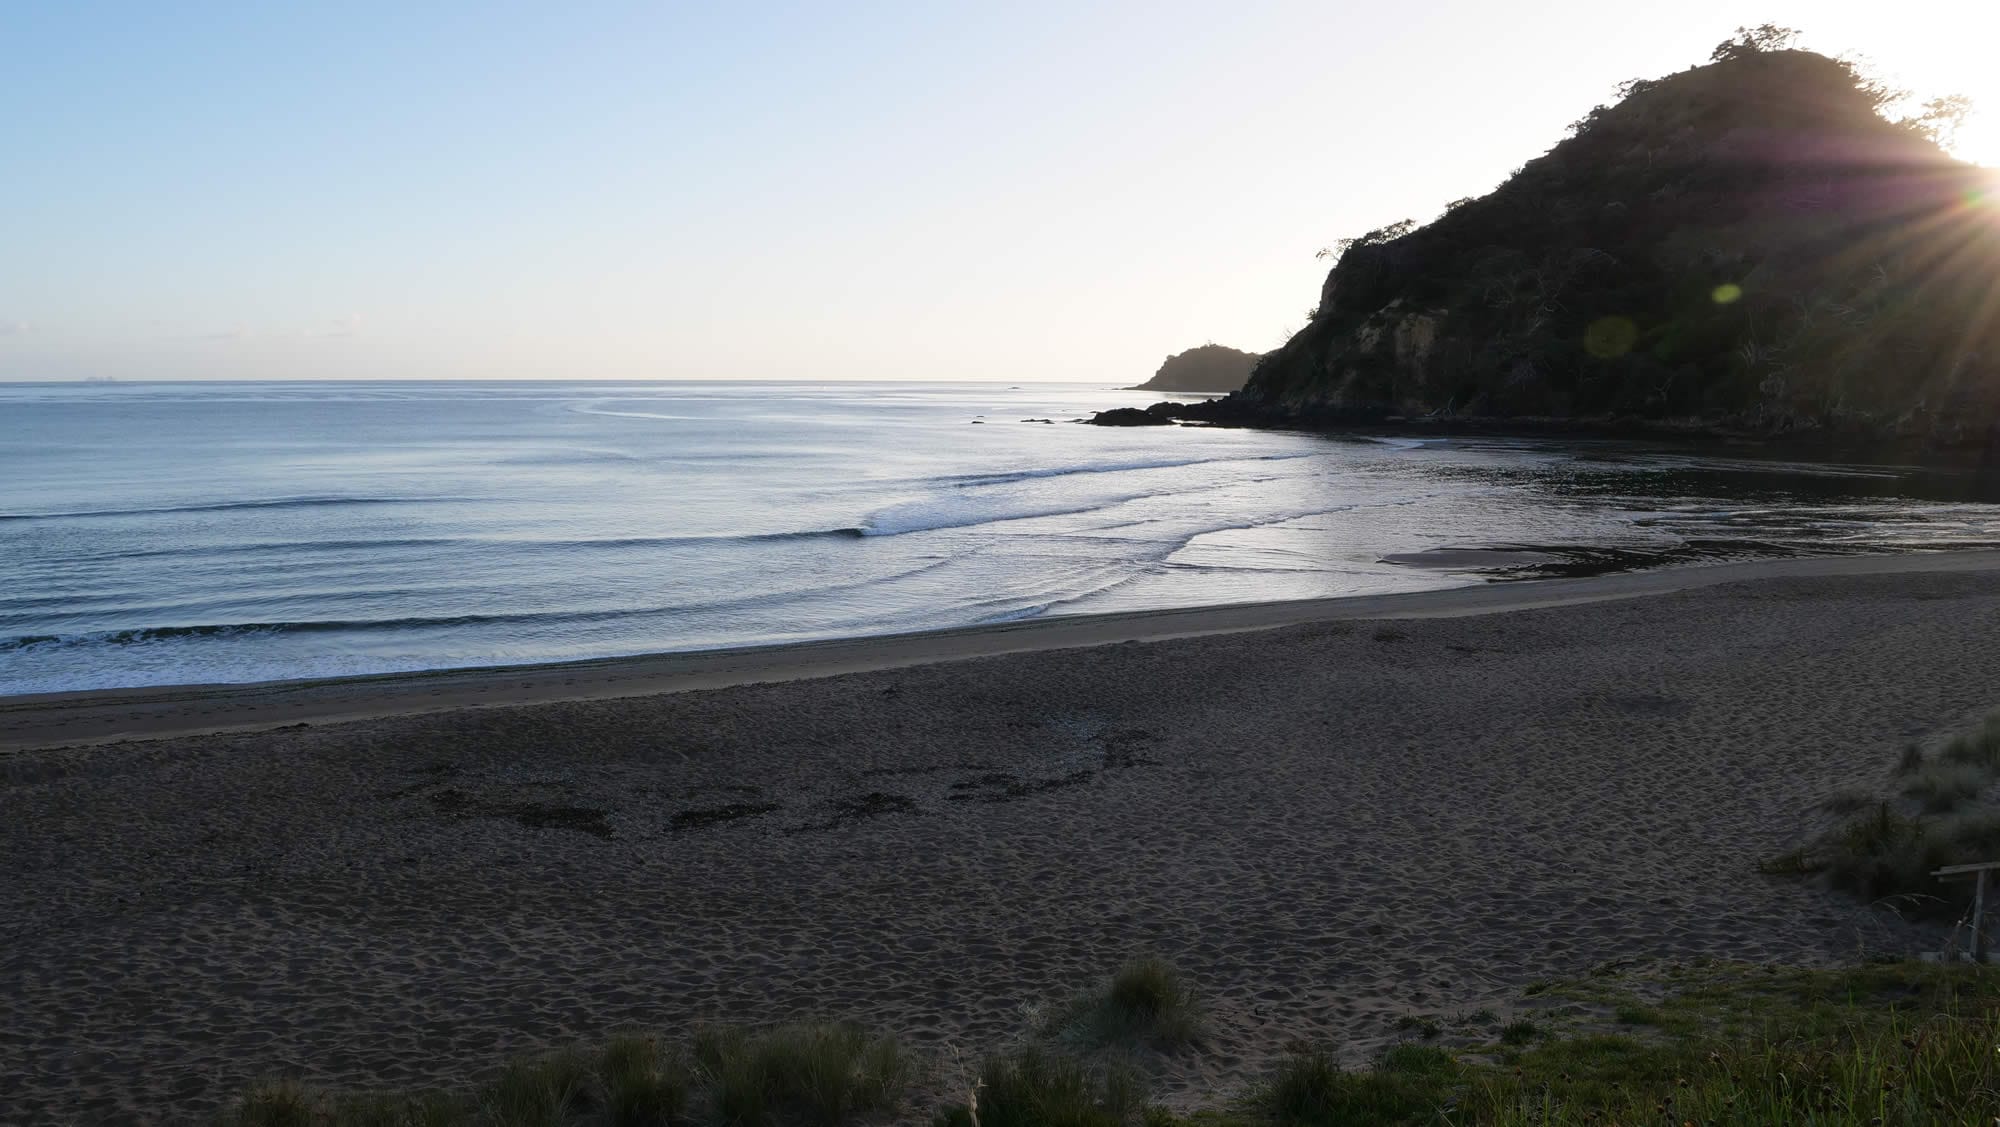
(1210, 368)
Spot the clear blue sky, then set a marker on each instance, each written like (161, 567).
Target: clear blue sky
(590, 190)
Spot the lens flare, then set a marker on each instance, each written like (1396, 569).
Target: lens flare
(1608, 338)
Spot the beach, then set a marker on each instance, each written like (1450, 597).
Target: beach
(1329, 814)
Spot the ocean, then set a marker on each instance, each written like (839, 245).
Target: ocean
(193, 533)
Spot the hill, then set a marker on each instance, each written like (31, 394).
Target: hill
(1748, 246)
(1212, 367)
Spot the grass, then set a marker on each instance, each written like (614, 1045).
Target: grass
(1887, 846)
(1943, 787)
(1886, 854)
(1882, 853)
(1792, 863)
(1145, 1002)
(820, 1074)
(1630, 1013)
(1311, 1090)
(804, 1074)
(1901, 1043)
(1890, 1043)
(1423, 1026)
(1978, 748)
(1034, 1087)
(1911, 759)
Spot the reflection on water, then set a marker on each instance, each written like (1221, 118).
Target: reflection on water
(1697, 508)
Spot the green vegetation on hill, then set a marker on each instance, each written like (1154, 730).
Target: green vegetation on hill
(1749, 245)
(1212, 367)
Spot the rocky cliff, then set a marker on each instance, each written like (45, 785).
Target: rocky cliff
(1748, 246)
(1212, 367)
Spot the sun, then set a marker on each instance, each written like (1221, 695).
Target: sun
(1978, 140)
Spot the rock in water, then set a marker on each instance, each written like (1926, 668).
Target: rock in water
(1130, 417)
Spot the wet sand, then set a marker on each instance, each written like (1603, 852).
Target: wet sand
(1390, 806)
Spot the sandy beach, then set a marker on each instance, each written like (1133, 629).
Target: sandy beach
(1328, 814)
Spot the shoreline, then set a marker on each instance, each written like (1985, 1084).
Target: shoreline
(1970, 455)
(99, 716)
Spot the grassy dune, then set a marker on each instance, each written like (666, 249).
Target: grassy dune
(1895, 1043)
(1933, 808)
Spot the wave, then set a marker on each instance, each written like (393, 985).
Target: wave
(596, 409)
(846, 533)
(145, 634)
(151, 634)
(959, 512)
(970, 481)
(304, 547)
(229, 506)
(964, 509)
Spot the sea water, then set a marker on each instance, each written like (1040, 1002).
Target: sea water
(188, 533)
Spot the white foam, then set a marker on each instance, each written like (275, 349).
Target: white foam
(968, 510)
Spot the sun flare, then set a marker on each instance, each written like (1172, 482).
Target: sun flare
(1978, 138)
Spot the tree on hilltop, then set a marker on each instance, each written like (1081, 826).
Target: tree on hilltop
(1755, 40)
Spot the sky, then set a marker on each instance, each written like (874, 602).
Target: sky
(581, 190)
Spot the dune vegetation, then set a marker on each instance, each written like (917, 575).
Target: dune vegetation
(1932, 809)
(1722, 1043)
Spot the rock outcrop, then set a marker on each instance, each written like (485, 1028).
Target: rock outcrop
(1158, 415)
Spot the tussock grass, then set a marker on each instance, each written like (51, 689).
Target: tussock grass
(1886, 854)
(1978, 748)
(644, 1084)
(1034, 1087)
(1409, 1083)
(1880, 854)
(278, 1102)
(552, 1089)
(805, 1074)
(821, 1074)
(1888, 846)
(1944, 787)
(1792, 863)
(1423, 1026)
(1147, 1001)
(1911, 759)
